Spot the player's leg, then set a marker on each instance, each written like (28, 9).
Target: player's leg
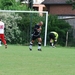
(51, 36)
(51, 42)
(39, 44)
(55, 41)
(31, 42)
(0, 42)
(3, 40)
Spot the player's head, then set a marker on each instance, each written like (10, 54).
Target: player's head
(40, 23)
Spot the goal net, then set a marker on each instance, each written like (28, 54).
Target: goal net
(19, 25)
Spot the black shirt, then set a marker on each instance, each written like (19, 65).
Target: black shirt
(36, 32)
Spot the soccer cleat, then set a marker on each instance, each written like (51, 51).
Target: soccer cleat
(30, 49)
(39, 50)
(53, 46)
(5, 46)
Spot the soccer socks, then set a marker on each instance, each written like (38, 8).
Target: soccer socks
(30, 47)
(39, 46)
(51, 44)
(0, 43)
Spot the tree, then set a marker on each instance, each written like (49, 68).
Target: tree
(12, 5)
(12, 31)
(10, 19)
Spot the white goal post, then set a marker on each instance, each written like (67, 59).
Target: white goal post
(45, 38)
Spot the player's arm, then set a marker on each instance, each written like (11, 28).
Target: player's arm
(56, 37)
(39, 29)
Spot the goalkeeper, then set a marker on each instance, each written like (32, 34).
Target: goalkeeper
(36, 35)
(53, 38)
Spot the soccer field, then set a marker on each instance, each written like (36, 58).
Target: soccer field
(18, 60)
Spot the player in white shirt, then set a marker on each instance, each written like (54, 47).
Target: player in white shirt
(2, 33)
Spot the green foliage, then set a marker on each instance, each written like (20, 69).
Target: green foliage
(18, 25)
(12, 31)
(12, 5)
(60, 26)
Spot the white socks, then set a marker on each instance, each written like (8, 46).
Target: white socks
(0, 43)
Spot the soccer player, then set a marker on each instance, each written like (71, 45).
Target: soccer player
(53, 38)
(2, 33)
(36, 35)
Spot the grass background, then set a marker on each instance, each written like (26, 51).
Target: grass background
(18, 60)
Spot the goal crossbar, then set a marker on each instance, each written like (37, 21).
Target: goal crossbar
(23, 11)
(45, 38)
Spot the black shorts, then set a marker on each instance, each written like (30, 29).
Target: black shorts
(52, 36)
(34, 37)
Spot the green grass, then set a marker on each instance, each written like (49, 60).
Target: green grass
(18, 60)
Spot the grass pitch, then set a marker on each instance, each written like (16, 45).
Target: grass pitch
(18, 60)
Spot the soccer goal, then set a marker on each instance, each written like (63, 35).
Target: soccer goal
(19, 24)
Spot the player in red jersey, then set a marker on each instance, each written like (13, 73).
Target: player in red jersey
(2, 33)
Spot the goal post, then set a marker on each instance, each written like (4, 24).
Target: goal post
(46, 19)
